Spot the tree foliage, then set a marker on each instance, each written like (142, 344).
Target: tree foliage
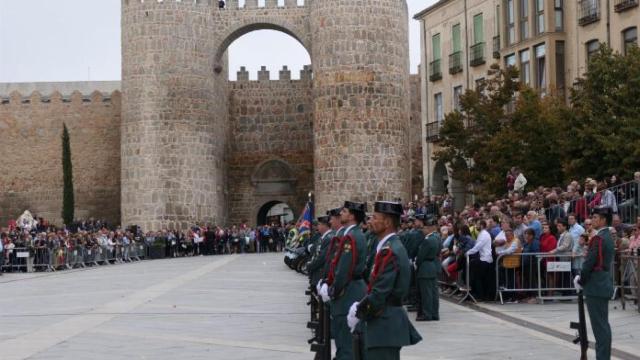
(502, 124)
(68, 203)
(603, 131)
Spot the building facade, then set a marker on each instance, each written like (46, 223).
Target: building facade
(550, 41)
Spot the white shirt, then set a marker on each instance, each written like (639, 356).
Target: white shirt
(383, 241)
(325, 233)
(483, 246)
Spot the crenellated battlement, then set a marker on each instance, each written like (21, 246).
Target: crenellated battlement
(230, 4)
(264, 75)
(76, 97)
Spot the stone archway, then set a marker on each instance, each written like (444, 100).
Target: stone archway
(266, 214)
(440, 179)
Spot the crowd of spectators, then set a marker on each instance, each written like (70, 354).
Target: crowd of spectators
(50, 247)
(552, 223)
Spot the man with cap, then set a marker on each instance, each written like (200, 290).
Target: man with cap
(372, 241)
(315, 267)
(387, 326)
(596, 280)
(346, 282)
(428, 268)
(336, 232)
(413, 237)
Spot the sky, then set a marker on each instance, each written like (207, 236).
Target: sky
(79, 40)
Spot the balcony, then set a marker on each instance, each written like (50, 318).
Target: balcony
(477, 54)
(435, 70)
(588, 12)
(455, 62)
(496, 47)
(622, 5)
(433, 131)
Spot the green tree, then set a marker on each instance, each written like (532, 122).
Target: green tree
(604, 126)
(67, 175)
(502, 124)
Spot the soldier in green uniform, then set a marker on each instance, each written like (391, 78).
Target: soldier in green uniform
(387, 326)
(315, 267)
(346, 282)
(428, 268)
(372, 241)
(597, 282)
(413, 239)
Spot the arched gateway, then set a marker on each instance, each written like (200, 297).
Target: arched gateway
(189, 143)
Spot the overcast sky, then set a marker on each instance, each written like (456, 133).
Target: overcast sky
(76, 40)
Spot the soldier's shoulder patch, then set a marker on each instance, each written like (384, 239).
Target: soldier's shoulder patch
(346, 247)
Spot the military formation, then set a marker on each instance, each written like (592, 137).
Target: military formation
(363, 270)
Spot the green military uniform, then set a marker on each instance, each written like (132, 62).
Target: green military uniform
(429, 267)
(348, 287)
(372, 242)
(387, 326)
(316, 266)
(596, 279)
(331, 251)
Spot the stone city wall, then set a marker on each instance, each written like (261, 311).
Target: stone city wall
(271, 145)
(31, 152)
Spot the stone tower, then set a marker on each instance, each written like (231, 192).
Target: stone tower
(360, 61)
(173, 116)
(175, 112)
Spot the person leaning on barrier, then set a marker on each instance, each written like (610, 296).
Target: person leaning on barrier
(428, 268)
(597, 282)
(387, 326)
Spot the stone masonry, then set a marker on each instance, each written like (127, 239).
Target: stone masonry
(31, 151)
(195, 147)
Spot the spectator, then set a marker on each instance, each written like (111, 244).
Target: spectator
(481, 266)
(574, 228)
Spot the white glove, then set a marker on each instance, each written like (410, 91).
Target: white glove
(318, 286)
(352, 320)
(576, 283)
(324, 293)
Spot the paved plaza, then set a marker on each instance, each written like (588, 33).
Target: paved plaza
(239, 307)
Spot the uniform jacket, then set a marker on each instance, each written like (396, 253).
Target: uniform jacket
(595, 276)
(428, 257)
(348, 281)
(386, 321)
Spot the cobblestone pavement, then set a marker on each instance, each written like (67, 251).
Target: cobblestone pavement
(231, 307)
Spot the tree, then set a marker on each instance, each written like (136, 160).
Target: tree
(67, 175)
(502, 124)
(604, 126)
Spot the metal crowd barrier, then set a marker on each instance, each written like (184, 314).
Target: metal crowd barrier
(460, 286)
(47, 259)
(629, 280)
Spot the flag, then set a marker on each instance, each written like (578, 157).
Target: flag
(305, 220)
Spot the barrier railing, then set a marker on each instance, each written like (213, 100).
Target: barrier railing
(458, 284)
(629, 280)
(626, 204)
(47, 259)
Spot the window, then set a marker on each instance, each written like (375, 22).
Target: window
(439, 114)
(510, 60)
(560, 66)
(435, 45)
(525, 67)
(629, 38)
(511, 21)
(457, 93)
(558, 5)
(539, 16)
(592, 48)
(524, 19)
(541, 74)
(478, 30)
(455, 36)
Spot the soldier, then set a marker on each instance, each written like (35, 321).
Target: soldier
(412, 239)
(346, 282)
(387, 326)
(372, 241)
(316, 265)
(597, 281)
(428, 268)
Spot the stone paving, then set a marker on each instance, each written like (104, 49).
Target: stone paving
(228, 307)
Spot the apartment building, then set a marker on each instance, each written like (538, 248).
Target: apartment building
(550, 41)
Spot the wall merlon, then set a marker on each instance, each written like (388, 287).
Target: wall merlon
(285, 73)
(35, 97)
(229, 4)
(263, 74)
